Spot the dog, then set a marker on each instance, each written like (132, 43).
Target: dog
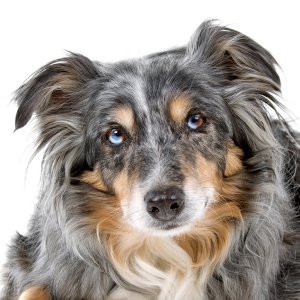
(163, 177)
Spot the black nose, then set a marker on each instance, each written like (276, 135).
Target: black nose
(165, 204)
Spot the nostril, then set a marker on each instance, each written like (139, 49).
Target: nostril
(174, 206)
(154, 210)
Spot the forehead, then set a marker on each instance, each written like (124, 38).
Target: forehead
(160, 86)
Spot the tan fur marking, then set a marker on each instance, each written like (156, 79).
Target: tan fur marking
(107, 211)
(94, 179)
(203, 172)
(35, 293)
(125, 117)
(208, 240)
(233, 160)
(121, 186)
(106, 216)
(179, 109)
(208, 172)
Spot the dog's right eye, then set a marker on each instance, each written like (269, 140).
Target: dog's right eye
(195, 122)
(116, 136)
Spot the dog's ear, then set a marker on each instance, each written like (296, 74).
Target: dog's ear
(60, 94)
(234, 56)
(247, 74)
(52, 88)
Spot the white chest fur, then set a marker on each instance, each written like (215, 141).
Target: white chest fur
(163, 270)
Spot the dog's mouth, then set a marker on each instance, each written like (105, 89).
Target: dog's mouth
(169, 228)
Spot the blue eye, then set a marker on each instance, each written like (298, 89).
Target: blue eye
(195, 122)
(116, 136)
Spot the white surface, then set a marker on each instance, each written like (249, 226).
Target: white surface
(36, 32)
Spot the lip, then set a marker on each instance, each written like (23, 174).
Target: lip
(169, 226)
(169, 229)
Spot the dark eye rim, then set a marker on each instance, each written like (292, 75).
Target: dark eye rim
(202, 127)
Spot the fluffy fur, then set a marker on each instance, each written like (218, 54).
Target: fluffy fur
(93, 237)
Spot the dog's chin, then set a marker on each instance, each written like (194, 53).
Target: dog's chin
(168, 230)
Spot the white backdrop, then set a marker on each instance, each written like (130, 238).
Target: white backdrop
(36, 32)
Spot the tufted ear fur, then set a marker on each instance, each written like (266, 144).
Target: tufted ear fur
(60, 94)
(52, 87)
(247, 73)
(235, 54)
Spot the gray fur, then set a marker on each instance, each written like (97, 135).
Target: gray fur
(232, 79)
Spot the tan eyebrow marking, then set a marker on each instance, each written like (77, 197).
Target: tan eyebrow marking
(179, 108)
(125, 117)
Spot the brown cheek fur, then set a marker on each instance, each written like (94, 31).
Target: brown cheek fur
(106, 209)
(94, 179)
(35, 293)
(208, 241)
(233, 160)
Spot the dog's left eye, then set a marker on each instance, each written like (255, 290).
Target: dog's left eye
(195, 122)
(116, 136)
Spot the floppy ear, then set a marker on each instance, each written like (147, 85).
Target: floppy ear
(247, 73)
(60, 94)
(51, 89)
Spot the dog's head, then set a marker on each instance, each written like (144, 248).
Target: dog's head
(168, 140)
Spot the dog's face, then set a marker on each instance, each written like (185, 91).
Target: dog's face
(164, 139)
(161, 138)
